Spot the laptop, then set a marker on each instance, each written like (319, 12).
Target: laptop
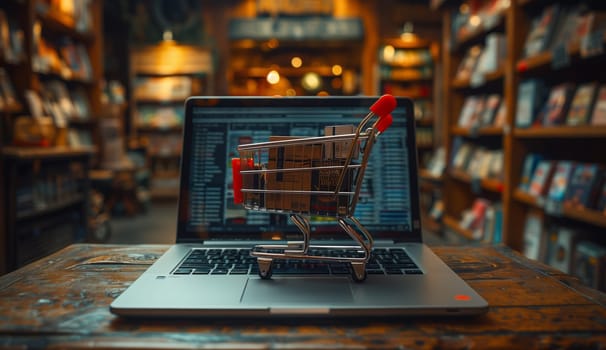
(210, 272)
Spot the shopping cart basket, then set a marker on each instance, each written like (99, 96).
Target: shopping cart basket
(312, 176)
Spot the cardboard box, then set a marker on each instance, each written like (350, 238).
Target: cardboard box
(340, 149)
(297, 180)
(291, 157)
(326, 180)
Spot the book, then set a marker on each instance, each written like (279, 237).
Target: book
(541, 178)
(496, 165)
(530, 163)
(560, 181)
(530, 97)
(473, 218)
(493, 54)
(556, 107)
(589, 264)
(500, 119)
(491, 106)
(541, 31)
(561, 247)
(7, 91)
(598, 116)
(587, 23)
(583, 187)
(469, 63)
(534, 235)
(601, 202)
(582, 104)
(566, 27)
(467, 111)
(462, 156)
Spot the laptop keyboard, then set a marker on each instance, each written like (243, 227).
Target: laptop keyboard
(392, 261)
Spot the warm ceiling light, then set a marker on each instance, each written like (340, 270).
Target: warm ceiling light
(337, 69)
(389, 53)
(311, 81)
(296, 62)
(273, 77)
(475, 20)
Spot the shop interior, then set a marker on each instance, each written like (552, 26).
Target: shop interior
(510, 111)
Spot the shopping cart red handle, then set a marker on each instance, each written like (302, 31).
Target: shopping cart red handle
(384, 105)
(237, 180)
(384, 122)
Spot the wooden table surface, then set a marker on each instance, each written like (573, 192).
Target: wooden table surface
(62, 301)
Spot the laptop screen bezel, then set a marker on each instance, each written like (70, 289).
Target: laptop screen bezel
(182, 236)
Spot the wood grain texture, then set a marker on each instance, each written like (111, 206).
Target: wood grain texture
(63, 302)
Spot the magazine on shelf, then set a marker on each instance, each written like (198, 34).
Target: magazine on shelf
(584, 182)
(598, 116)
(541, 178)
(582, 104)
(469, 63)
(530, 97)
(560, 180)
(491, 106)
(556, 107)
(7, 91)
(562, 244)
(473, 219)
(534, 235)
(467, 111)
(500, 119)
(601, 204)
(528, 168)
(541, 31)
(567, 23)
(589, 264)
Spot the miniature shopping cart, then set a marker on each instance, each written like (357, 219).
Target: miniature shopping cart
(312, 176)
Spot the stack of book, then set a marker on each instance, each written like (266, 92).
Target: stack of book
(581, 185)
(476, 161)
(565, 248)
(565, 104)
(483, 111)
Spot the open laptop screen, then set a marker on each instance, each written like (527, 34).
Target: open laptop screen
(214, 127)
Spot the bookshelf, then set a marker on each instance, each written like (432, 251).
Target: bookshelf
(162, 77)
(406, 67)
(531, 75)
(50, 89)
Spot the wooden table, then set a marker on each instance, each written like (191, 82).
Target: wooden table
(62, 302)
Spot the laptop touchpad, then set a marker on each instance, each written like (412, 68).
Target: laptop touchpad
(289, 290)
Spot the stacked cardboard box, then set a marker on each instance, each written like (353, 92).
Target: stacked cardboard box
(289, 159)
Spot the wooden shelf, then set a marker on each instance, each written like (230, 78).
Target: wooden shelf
(453, 224)
(46, 152)
(528, 199)
(488, 79)
(478, 35)
(483, 131)
(50, 208)
(544, 60)
(64, 24)
(562, 132)
(261, 72)
(169, 129)
(491, 185)
(590, 216)
(578, 213)
(12, 109)
(161, 101)
(425, 174)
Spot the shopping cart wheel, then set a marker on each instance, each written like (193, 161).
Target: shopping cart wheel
(358, 272)
(265, 270)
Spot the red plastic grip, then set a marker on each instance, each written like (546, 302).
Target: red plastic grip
(384, 105)
(384, 122)
(237, 181)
